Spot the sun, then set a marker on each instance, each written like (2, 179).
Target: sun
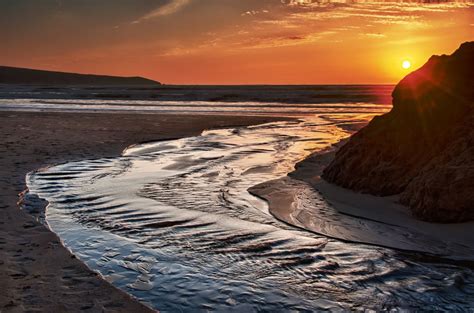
(406, 64)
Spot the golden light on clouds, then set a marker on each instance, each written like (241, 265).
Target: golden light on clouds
(235, 42)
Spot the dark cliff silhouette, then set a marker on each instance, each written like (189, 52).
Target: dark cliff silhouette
(23, 76)
(423, 149)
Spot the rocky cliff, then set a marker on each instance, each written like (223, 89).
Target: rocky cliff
(423, 149)
(24, 76)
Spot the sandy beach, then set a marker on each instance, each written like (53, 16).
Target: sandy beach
(356, 217)
(37, 273)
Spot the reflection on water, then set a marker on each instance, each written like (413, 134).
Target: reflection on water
(189, 107)
(254, 100)
(173, 224)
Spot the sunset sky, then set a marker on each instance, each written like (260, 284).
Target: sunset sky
(232, 41)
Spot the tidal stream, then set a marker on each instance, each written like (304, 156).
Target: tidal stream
(172, 223)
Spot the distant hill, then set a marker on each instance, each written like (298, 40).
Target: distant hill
(24, 76)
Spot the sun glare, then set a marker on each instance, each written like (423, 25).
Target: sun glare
(406, 64)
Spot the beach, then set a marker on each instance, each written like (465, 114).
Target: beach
(155, 206)
(236, 156)
(38, 273)
(305, 200)
(173, 224)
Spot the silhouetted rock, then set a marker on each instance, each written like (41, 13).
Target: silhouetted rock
(423, 148)
(23, 76)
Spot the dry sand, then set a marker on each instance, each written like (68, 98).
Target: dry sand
(37, 274)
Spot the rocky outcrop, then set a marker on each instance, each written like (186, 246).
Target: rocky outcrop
(24, 76)
(423, 149)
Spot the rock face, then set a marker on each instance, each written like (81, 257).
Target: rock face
(24, 76)
(423, 149)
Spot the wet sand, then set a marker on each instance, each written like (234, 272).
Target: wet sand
(37, 273)
(305, 200)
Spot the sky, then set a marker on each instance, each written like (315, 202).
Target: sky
(233, 41)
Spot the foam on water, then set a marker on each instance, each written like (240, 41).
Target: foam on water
(226, 100)
(188, 107)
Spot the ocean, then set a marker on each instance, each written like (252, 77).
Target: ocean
(249, 100)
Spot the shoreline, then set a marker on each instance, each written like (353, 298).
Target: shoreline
(38, 272)
(447, 242)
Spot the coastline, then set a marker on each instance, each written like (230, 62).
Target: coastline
(38, 273)
(365, 219)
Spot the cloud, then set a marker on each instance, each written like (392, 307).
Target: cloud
(375, 35)
(306, 22)
(299, 2)
(170, 8)
(303, 13)
(254, 12)
(311, 23)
